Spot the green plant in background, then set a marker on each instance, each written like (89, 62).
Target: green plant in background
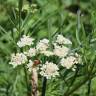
(47, 19)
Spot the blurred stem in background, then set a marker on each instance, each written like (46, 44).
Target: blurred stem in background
(89, 87)
(26, 79)
(20, 5)
(78, 27)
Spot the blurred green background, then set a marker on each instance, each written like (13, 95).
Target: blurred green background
(56, 16)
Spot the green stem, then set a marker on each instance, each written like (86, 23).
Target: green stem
(20, 9)
(78, 27)
(44, 86)
(49, 33)
(26, 79)
(89, 87)
(61, 17)
(73, 80)
(89, 82)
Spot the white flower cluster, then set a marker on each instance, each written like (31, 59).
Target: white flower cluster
(69, 61)
(47, 53)
(59, 46)
(62, 40)
(31, 52)
(18, 59)
(49, 70)
(25, 40)
(21, 58)
(60, 51)
(42, 45)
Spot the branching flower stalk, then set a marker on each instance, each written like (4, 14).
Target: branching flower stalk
(45, 49)
(46, 68)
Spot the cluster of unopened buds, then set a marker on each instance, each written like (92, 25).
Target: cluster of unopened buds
(45, 56)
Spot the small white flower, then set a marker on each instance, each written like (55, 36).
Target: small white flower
(45, 41)
(60, 51)
(30, 65)
(47, 53)
(18, 59)
(69, 62)
(31, 52)
(25, 40)
(42, 45)
(49, 70)
(62, 40)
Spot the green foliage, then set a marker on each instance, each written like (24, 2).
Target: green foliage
(52, 16)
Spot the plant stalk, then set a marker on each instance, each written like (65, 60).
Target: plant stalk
(34, 82)
(26, 79)
(44, 86)
(20, 5)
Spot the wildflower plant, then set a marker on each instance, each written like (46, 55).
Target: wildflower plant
(47, 56)
(45, 66)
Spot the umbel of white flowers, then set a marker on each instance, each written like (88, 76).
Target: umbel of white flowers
(25, 40)
(49, 69)
(69, 61)
(18, 59)
(31, 52)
